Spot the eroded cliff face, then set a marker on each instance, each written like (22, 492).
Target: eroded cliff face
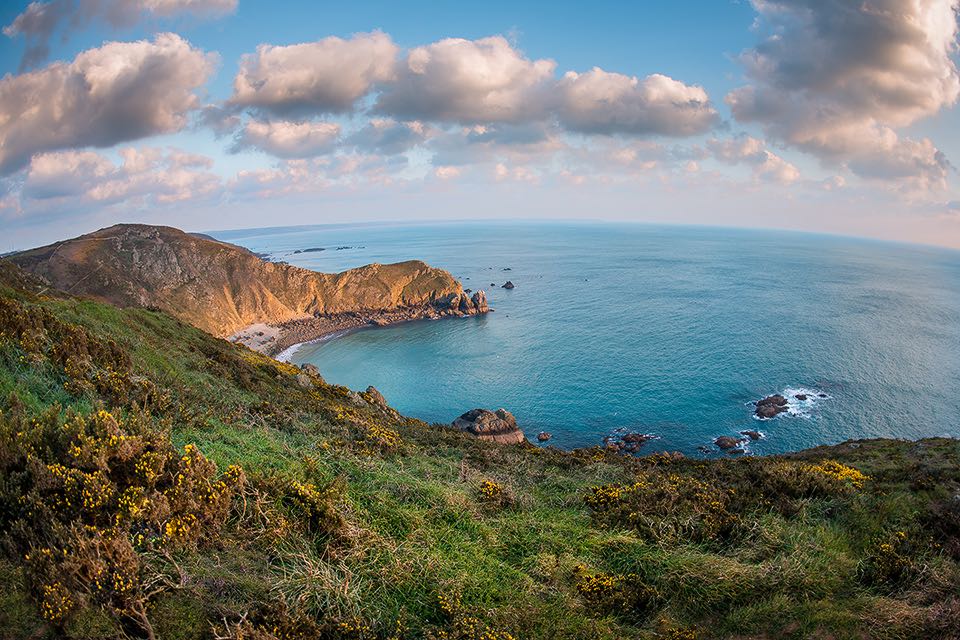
(222, 288)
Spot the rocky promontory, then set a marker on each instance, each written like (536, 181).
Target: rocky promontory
(226, 290)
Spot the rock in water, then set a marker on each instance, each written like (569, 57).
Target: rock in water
(727, 442)
(543, 436)
(507, 285)
(496, 426)
(479, 301)
(771, 406)
(753, 435)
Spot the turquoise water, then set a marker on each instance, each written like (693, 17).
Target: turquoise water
(662, 330)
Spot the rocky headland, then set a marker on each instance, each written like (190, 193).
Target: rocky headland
(229, 291)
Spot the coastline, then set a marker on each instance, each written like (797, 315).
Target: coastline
(282, 340)
(287, 354)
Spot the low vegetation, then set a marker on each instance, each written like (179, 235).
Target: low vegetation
(157, 482)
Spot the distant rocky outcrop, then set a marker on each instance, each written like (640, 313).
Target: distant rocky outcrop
(771, 406)
(223, 288)
(496, 426)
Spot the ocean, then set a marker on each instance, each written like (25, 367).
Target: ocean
(668, 331)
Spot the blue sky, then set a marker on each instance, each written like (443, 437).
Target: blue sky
(701, 113)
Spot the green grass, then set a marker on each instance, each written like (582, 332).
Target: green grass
(797, 554)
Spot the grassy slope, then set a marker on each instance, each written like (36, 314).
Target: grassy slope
(741, 548)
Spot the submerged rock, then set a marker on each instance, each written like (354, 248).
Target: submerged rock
(496, 426)
(629, 442)
(771, 406)
(801, 396)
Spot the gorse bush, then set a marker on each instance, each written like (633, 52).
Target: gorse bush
(88, 498)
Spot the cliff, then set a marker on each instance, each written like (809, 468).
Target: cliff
(222, 288)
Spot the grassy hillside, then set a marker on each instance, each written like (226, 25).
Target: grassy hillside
(158, 482)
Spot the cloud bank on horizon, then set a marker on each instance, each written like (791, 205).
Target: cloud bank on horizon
(829, 120)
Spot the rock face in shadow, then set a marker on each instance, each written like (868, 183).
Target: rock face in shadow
(496, 426)
(222, 288)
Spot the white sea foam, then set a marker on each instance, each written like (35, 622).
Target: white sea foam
(798, 408)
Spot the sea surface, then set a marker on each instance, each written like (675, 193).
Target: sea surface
(671, 331)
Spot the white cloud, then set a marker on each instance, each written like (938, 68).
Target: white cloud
(67, 180)
(327, 76)
(602, 102)
(837, 78)
(40, 20)
(289, 139)
(484, 82)
(115, 93)
(750, 151)
(468, 81)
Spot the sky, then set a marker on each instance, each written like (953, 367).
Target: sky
(836, 116)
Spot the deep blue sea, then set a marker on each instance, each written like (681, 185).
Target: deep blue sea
(672, 331)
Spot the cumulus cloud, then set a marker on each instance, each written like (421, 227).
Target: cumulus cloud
(837, 78)
(73, 179)
(289, 139)
(468, 81)
(750, 151)
(115, 93)
(465, 82)
(602, 102)
(327, 76)
(40, 20)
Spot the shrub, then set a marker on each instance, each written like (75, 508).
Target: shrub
(614, 594)
(81, 494)
(665, 507)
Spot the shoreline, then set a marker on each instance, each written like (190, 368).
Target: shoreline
(287, 354)
(281, 341)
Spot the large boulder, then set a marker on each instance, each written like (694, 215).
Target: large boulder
(376, 397)
(771, 406)
(496, 426)
(727, 443)
(479, 301)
